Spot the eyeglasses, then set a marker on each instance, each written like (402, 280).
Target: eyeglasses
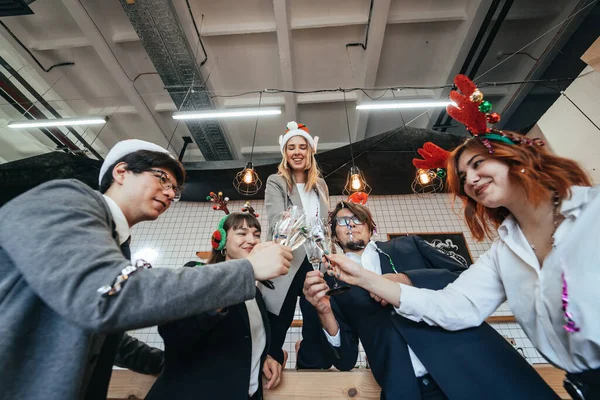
(166, 183)
(345, 221)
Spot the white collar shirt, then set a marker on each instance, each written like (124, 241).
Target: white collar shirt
(509, 270)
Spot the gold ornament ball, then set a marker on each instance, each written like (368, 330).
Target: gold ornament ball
(476, 96)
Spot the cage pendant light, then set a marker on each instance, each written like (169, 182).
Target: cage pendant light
(246, 181)
(355, 182)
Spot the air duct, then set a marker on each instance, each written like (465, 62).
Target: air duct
(160, 32)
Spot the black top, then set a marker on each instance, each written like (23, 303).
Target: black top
(208, 356)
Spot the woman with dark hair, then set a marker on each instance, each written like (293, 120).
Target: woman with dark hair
(219, 354)
(544, 261)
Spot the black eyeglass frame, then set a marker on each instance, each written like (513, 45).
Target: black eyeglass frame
(166, 183)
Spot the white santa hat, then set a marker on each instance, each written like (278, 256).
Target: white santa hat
(296, 129)
(124, 148)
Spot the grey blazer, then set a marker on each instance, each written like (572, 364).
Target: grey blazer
(56, 249)
(278, 199)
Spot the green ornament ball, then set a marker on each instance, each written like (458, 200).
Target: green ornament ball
(441, 173)
(485, 107)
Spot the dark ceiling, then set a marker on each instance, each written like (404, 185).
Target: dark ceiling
(564, 67)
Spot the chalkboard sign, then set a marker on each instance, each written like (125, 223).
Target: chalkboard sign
(453, 244)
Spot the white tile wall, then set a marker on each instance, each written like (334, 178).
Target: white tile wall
(186, 228)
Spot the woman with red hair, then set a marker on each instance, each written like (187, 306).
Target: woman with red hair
(545, 259)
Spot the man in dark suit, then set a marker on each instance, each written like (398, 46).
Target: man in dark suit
(412, 360)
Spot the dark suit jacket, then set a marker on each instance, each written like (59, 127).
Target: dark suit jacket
(208, 356)
(475, 363)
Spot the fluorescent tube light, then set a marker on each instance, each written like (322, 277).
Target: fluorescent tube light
(229, 113)
(42, 123)
(388, 105)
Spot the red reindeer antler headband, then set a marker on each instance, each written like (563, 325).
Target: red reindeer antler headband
(470, 109)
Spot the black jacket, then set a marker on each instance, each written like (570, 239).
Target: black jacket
(476, 363)
(208, 356)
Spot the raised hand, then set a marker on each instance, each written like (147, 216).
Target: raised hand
(270, 260)
(315, 290)
(345, 269)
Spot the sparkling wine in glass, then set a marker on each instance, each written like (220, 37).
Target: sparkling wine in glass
(320, 235)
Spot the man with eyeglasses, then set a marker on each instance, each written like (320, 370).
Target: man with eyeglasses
(412, 360)
(68, 288)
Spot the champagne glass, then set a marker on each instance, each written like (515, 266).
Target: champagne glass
(314, 254)
(290, 230)
(320, 235)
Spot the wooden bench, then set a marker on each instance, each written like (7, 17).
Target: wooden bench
(127, 385)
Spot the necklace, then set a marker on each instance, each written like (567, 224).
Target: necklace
(388, 256)
(555, 218)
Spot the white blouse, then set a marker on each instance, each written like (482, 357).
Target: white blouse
(259, 341)
(509, 270)
(310, 202)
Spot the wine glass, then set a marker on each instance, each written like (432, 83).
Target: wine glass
(314, 254)
(290, 230)
(320, 236)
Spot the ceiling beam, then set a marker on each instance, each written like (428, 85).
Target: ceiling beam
(112, 110)
(79, 41)
(300, 23)
(93, 34)
(284, 38)
(331, 21)
(424, 17)
(61, 43)
(125, 37)
(371, 56)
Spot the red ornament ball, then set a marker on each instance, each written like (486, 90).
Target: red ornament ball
(493, 118)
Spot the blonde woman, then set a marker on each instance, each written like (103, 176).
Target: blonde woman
(298, 182)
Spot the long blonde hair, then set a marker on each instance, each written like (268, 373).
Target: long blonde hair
(312, 170)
